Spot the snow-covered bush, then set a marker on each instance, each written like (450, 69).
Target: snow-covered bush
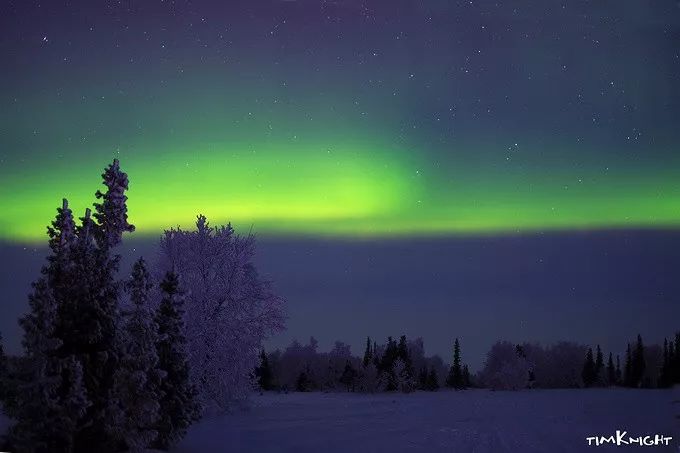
(230, 310)
(505, 368)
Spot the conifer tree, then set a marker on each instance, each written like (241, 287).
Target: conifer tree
(455, 377)
(599, 367)
(589, 371)
(628, 373)
(50, 398)
(137, 379)
(467, 380)
(111, 213)
(349, 376)
(264, 372)
(638, 363)
(611, 371)
(422, 378)
(673, 361)
(386, 367)
(432, 381)
(178, 407)
(619, 377)
(675, 365)
(664, 373)
(367, 353)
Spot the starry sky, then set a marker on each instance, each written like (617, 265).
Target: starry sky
(499, 133)
(345, 118)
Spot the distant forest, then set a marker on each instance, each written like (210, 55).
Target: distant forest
(403, 366)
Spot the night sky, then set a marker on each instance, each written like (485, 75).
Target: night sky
(436, 139)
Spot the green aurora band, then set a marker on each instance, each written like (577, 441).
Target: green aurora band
(352, 189)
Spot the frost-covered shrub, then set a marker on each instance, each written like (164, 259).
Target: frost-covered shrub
(230, 309)
(505, 368)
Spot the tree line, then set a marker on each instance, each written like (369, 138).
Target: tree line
(403, 366)
(113, 364)
(392, 366)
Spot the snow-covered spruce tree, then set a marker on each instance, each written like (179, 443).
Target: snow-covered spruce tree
(589, 373)
(367, 353)
(403, 378)
(264, 373)
(504, 368)
(111, 213)
(178, 407)
(349, 377)
(455, 377)
(49, 400)
(230, 309)
(137, 379)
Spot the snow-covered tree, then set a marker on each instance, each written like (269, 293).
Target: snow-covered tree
(455, 377)
(230, 309)
(178, 407)
(367, 381)
(589, 373)
(111, 213)
(367, 353)
(137, 379)
(264, 373)
(504, 368)
(432, 381)
(403, 378)
(349, 376)
(50, 397)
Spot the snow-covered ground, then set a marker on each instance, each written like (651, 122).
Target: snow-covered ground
(470, 421)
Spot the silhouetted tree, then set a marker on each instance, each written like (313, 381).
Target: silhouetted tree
(638, 363)
(619, 377)
(589, 373)
(137, 378)
(432, 383)
(349, 376)
(264, 373)
(455, 377)
(178, 407)
(599, 367)
(611, 371)
(368, 357)
(628, 373)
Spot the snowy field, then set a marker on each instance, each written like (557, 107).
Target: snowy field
(470, 421)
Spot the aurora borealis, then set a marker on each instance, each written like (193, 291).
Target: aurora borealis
(344, 118)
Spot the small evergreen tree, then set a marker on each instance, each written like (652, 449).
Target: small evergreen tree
(589, 373)
(303, 383)
(674, 357)
(49, 400)
(349, 376)
(422, 378)
(432, 381)
(137, 379)
(178, 407)
(455, 377)
(467, 380)
(599, 367)
(673, 364)
(367, 353)
(628, 373)
(611, 371)
(264, 373)
(638, 363)
(619, 377)
(111, 213)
